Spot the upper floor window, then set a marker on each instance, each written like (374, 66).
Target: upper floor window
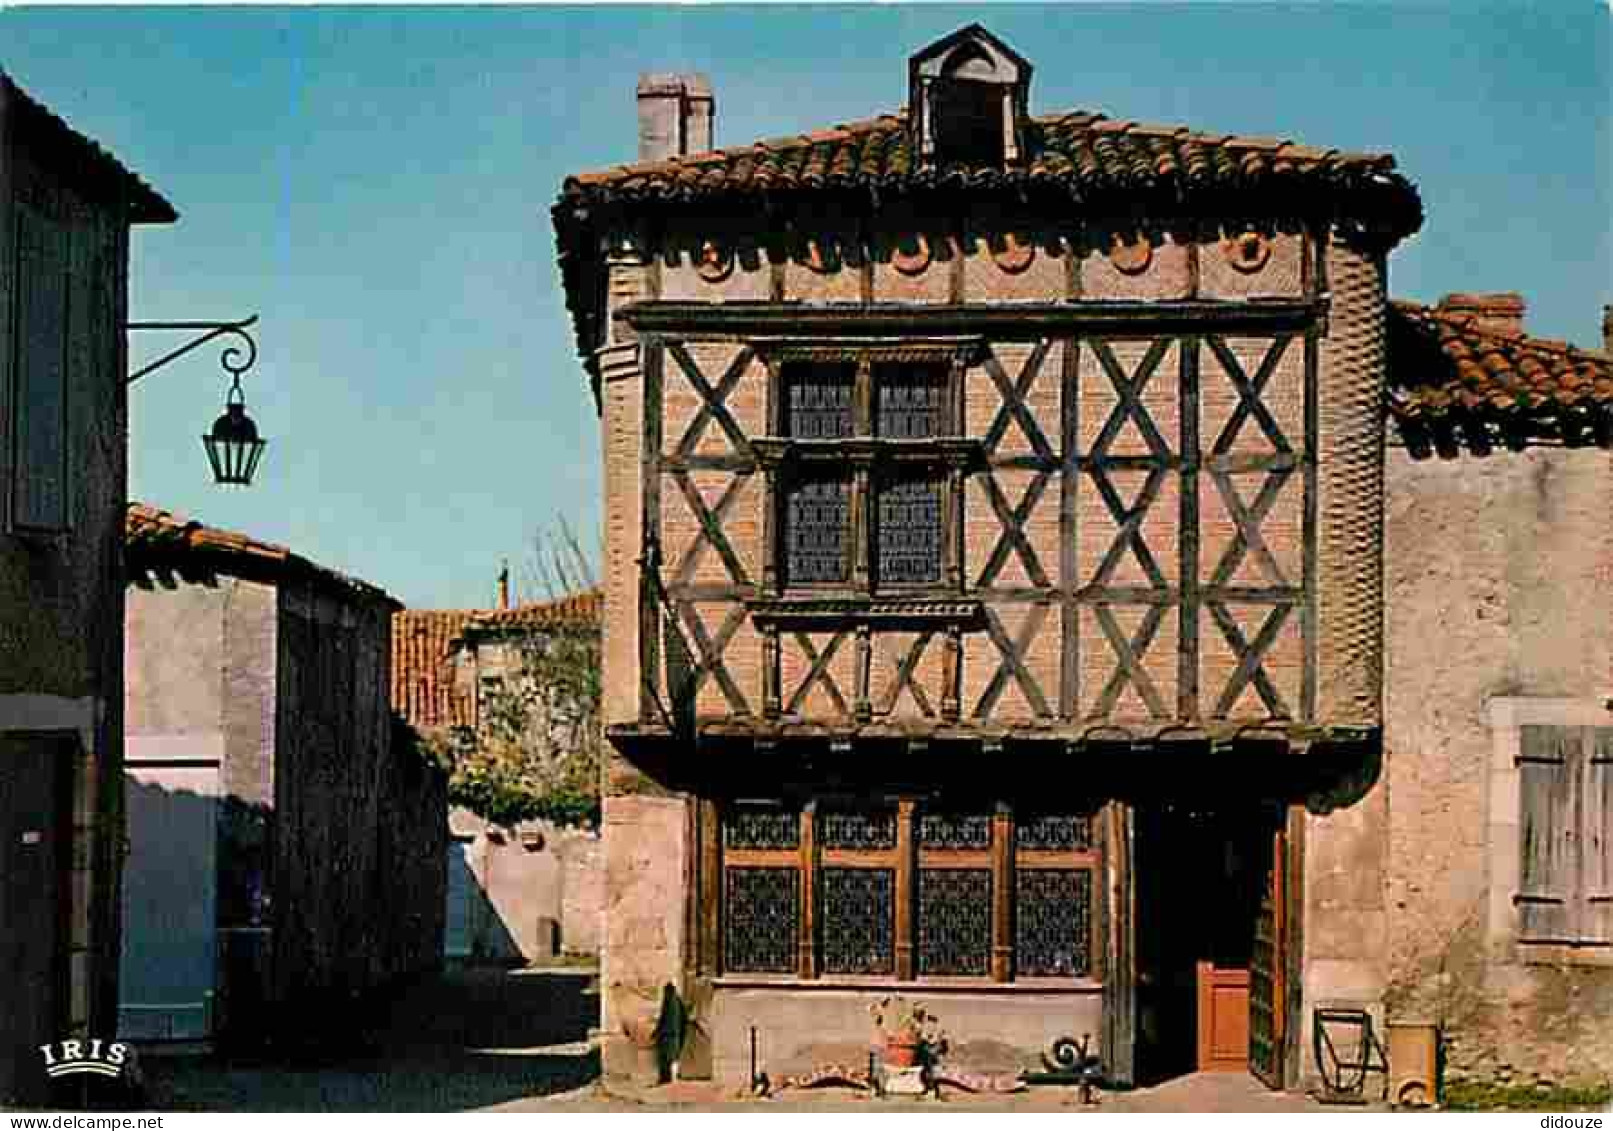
(854, 513)
(39, 375)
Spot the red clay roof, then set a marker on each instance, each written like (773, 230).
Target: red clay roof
(1080, 151)
(1077, 162)
(422, 685)
(577, 609)
(1455, 383)
(155, 540)
(36, 127)
(423, 639)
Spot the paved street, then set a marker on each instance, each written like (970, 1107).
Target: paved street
(495, 1040)
(465, 1041)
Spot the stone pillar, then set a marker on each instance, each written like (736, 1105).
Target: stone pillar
(646, 865)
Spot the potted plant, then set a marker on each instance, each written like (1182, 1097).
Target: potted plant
(910, 1034)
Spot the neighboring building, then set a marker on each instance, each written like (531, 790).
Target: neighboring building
(66, 208)
(286, 839)
(1498, 691)
(993, 577)
(527, 892)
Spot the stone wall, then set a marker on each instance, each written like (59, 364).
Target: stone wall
(799, 1030)
(538, 889)
(61, 594)
(1499, 571)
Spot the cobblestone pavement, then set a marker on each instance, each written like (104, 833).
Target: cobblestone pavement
(495, 1040)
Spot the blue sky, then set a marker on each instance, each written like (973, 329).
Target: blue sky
(375, 183)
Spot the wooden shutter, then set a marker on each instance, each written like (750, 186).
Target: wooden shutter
(1548, 756)
(1596, 839)
(40, 491)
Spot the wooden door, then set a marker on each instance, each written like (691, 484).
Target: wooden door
(1223, 1017)
(35, 849)
(1267, 965)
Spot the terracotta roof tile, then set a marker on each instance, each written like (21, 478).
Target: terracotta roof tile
(422, 684)
(1454, 384)
(155, 539)
(578, 610)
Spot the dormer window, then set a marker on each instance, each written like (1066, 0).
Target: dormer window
(968, 94)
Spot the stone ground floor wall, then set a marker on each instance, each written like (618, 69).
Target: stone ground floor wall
(800, 1029)
(646, 855)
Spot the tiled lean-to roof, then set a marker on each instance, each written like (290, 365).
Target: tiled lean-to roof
(422, 684)
(423, 640)
(158, 542)
(1456, 384)
(575, 610)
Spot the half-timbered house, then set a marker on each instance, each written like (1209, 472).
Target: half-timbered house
(993, 576)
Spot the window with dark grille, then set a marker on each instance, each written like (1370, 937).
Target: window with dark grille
(900, 489)
(761, 890)
(907, 530)
(818, 399)
(817, 527)
(967, 119)
(911, 399)
(855, 863)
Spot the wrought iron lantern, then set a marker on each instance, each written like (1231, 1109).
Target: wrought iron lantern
(233, 444)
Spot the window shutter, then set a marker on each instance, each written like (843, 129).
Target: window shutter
(40, 484)
(1545, 898)
(1596, 839)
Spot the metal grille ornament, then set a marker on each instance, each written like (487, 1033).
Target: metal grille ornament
(763, 914)
(857, 907)
(963, 831)
(1053, 921)
(909, 531)
(756, 826)
(954, 935)
(851, 829)
(817, 521)
(1056, 833)
(912, 401)
(819, 404)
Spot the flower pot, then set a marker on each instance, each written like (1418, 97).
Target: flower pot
(902, 1050)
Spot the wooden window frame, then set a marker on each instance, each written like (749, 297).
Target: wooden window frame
(1504, 847)
(946, 457)
(908, 859)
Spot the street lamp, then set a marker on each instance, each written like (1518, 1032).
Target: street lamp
(233, 445)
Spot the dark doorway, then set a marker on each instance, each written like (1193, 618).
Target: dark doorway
(35, 851)
(1202, 883)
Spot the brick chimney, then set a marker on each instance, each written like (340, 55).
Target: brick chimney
(1497, 313)
(504, 586)
(675, 115)
(1607, 330)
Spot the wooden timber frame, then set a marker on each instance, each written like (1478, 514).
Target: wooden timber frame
(941, 614)
(763, 725)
